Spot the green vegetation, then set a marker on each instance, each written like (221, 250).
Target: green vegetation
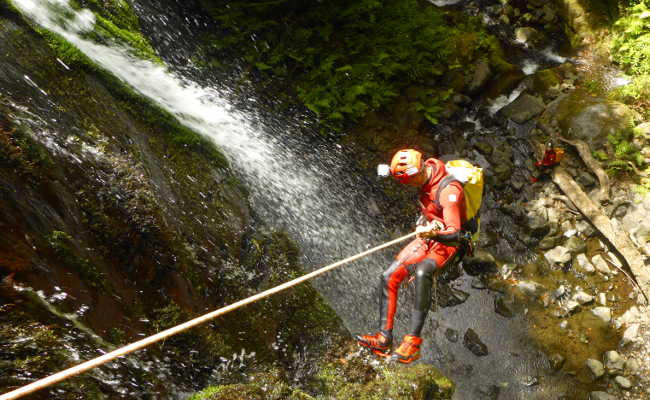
(65, 252)
(115, 20)
(630, 47)
(350, 58)
(622, 155)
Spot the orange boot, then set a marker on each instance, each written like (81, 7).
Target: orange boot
(379, 343)
(409, 350)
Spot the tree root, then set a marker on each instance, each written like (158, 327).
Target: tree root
(594, 165)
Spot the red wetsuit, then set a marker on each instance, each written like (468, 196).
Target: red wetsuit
(422, 257)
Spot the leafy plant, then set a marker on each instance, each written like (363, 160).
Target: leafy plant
(626, 154)
(350, 58)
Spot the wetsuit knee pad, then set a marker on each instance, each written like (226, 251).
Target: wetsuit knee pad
(425, 267)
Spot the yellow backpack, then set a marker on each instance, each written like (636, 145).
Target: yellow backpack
(472, 179)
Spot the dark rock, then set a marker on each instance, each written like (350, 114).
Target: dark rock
(523, 108)
(538, 226)
(548, 242)
(503, 308)
(481, 262)
(447, 296)
(451, 335)
(474, 344)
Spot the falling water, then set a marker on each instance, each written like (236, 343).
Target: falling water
(304, 198)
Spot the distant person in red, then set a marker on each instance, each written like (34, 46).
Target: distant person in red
(552, 157)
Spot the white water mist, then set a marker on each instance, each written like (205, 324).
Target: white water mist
(303, 199)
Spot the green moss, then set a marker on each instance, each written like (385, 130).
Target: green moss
(65, 251)
(545, 79)
(264, 386)
(352, 379)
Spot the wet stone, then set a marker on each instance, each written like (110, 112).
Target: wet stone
(451, 335)
(575, 245)
(630, 335)
(614, 362)
(530, 288)
(603, 313)
(583, 298)
(571, 306)
(480, 262)
(584, 264)
(596, 367)
(601, 265)
(560, 292)
(558, 255)
(548, 242)
(623, 382)
(474, 344)
(503, 308)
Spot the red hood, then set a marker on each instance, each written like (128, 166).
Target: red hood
(438, 172)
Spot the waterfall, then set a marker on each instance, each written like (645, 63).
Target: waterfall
(307, 199)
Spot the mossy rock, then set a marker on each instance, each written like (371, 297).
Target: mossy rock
(353, 379)
(583, 116)
(584, 23)
(545, 79)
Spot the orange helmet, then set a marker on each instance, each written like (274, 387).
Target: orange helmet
(405, 164)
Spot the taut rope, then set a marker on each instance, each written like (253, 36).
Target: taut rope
(95, 362)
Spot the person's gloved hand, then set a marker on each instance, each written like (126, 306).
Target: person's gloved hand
(428, 231)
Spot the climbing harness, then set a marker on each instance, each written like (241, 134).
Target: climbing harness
(95, 362)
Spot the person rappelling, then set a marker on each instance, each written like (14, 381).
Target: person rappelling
(449, 196)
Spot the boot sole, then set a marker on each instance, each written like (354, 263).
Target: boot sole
(377, 351)
(406, 360)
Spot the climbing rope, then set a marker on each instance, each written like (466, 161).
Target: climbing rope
(95, 362)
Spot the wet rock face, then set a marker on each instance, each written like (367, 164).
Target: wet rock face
(113, 213)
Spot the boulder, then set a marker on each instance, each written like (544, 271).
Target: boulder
(588, 118)
(523, 108)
